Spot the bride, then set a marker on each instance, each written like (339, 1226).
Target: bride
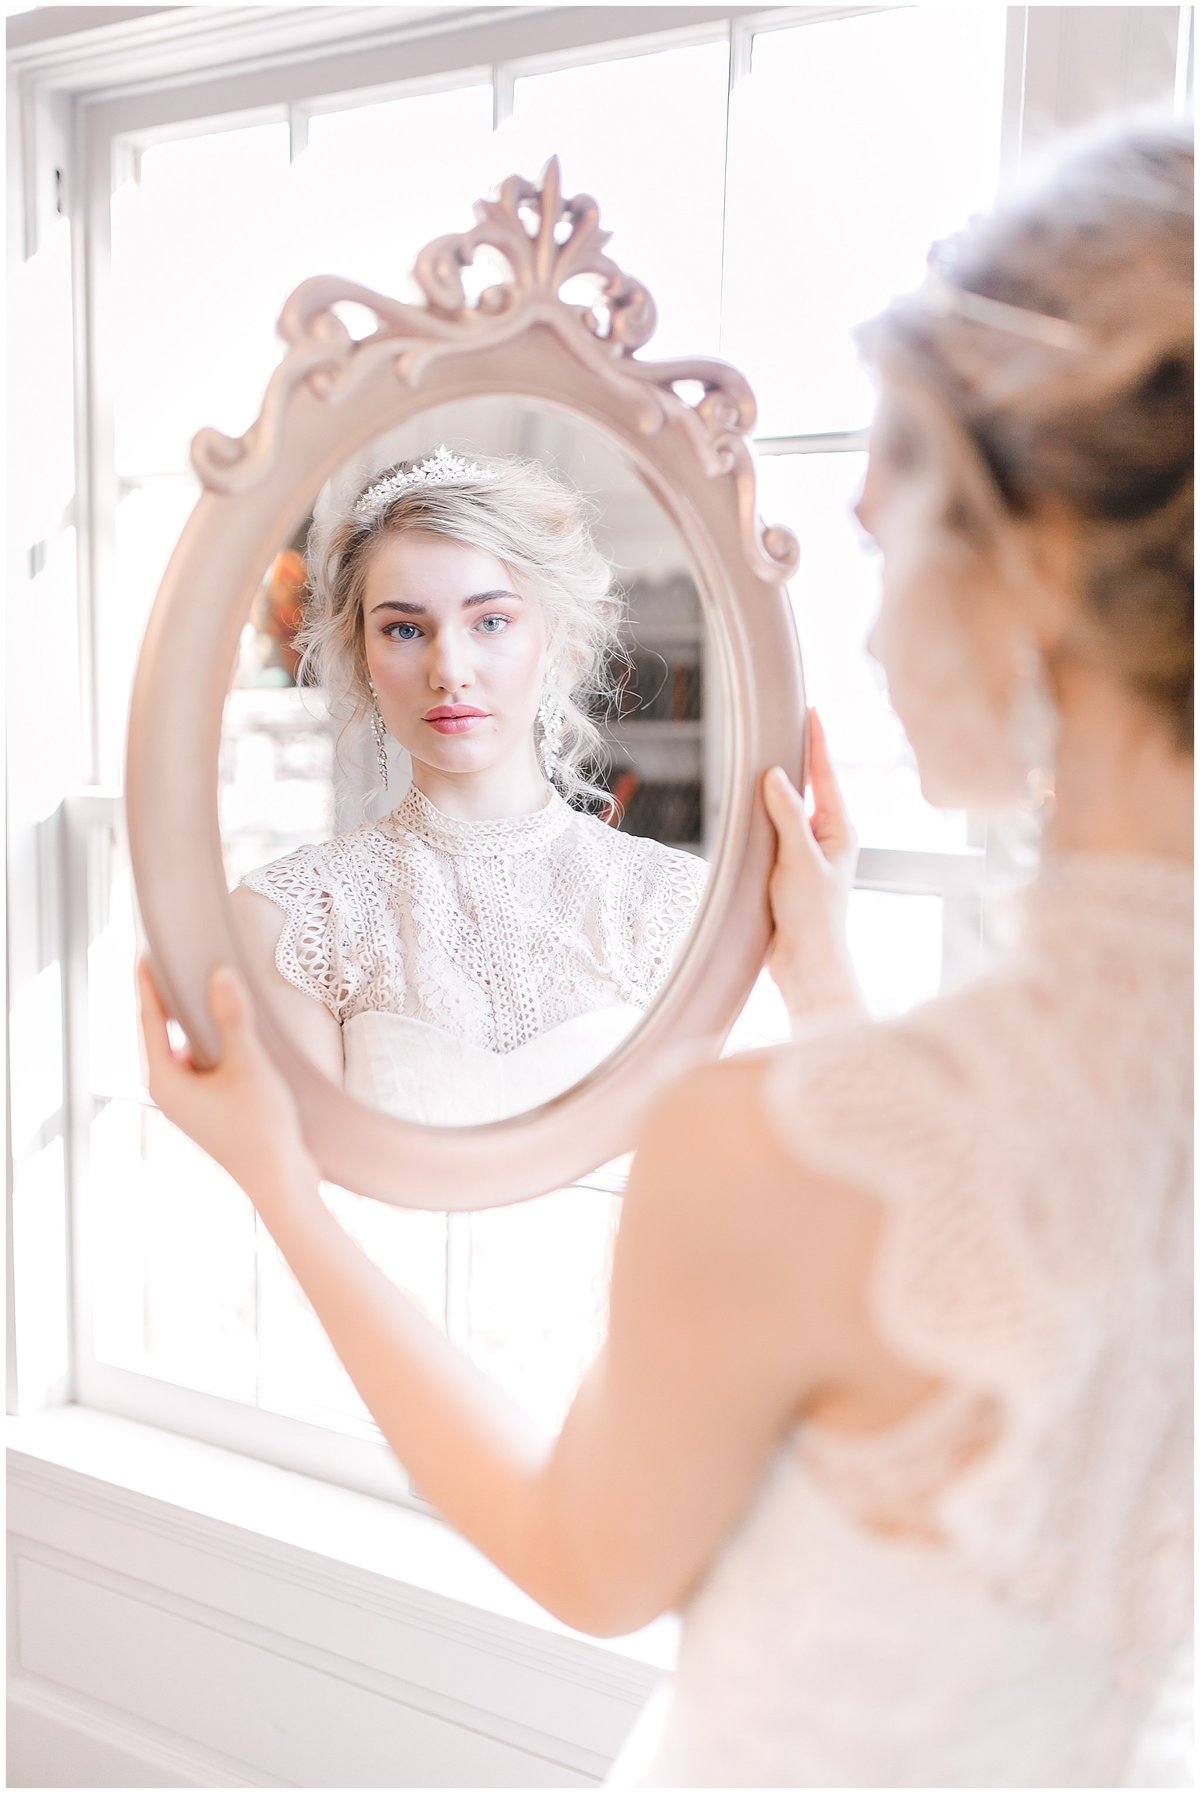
(485, 944)
(895, 1405)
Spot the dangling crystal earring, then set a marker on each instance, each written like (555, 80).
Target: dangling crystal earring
(552, 720)
(1033, 729)
(379, 731)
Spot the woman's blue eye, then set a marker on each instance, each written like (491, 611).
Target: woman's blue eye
(500, 622)
(396, 631)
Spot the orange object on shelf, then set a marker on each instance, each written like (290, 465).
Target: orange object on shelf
(624, 786)
(279, 607)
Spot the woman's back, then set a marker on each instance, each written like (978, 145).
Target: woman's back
(991, 1592)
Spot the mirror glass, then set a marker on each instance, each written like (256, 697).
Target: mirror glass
(470, 941)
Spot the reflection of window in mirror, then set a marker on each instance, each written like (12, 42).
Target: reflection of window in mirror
(801, 182)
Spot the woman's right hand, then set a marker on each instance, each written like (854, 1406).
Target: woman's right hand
(809, 889)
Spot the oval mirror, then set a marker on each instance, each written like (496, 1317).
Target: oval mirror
(477, 976)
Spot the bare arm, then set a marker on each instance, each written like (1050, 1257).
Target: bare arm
(309, 1025)
(738, 1305)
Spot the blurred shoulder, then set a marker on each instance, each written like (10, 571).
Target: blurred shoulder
(876, 1100)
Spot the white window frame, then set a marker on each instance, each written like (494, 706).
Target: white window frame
(72, 105)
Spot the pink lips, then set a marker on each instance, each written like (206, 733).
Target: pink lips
(454, 719)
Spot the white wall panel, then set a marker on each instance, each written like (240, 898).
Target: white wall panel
(309, 1718)
(61, 1740)
(150, 1646)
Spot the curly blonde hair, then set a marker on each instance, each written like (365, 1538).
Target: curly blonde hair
(540, 528)
(1101, 424)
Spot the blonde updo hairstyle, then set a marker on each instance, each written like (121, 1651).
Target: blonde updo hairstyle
(1095, 420)
(540, 528)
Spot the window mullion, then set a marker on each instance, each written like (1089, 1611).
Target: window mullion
(828, 442)
(1185, 57)
(962, 933)
(918, 871)
(297, 122)
(95, 429)
(741, 45)
(504, 92)
(1012, 113)
(85, 821)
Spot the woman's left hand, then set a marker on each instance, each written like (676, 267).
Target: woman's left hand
(815, 860)
(240, 1110)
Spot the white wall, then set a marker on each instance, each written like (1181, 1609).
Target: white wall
(155, 1642)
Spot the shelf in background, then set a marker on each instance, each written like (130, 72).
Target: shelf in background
(647, 633)
(658, 728)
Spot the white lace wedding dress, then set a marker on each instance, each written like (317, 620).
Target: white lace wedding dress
(995, 1593)
(479, 968)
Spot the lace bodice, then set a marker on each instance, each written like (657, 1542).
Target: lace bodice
(993, 1592)
(494, 932)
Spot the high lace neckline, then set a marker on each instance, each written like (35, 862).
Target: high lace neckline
(416, 815)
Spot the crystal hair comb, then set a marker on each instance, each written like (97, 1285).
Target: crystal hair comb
(945, 299)
(442, 469)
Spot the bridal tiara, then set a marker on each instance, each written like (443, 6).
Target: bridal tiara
(442, 469)
(946, 299)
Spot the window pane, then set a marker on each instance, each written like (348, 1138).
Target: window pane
(764, 1020)
(171, 1239)
(855, 142)
(206, 245)
(376, 183)
(538, 1295)
(835, 595)
(172, 1265)
(114, 1049)
(149, 519)
(896, 945)
(217, 229)
(645, 136)
(299, 1372)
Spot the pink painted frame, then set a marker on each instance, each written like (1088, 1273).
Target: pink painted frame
(329, 395)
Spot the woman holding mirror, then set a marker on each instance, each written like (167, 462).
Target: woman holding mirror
(895, 1402)
(488, 942)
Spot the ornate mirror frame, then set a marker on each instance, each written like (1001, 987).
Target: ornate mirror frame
(684, 424)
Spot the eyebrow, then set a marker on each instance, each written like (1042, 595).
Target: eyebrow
(418, 610)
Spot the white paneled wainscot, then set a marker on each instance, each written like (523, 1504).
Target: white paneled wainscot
(208, 1621)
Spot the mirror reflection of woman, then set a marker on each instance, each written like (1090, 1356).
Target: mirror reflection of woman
(895, 1404)
(487, 942)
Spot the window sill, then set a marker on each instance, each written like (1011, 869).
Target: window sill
(93, 1457)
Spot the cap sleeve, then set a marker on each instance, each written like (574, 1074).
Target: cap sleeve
(665, 895)
(313, 951)
(898, 1111)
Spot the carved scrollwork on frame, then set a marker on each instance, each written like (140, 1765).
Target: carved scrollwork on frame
(544, 242)
(525, 225)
